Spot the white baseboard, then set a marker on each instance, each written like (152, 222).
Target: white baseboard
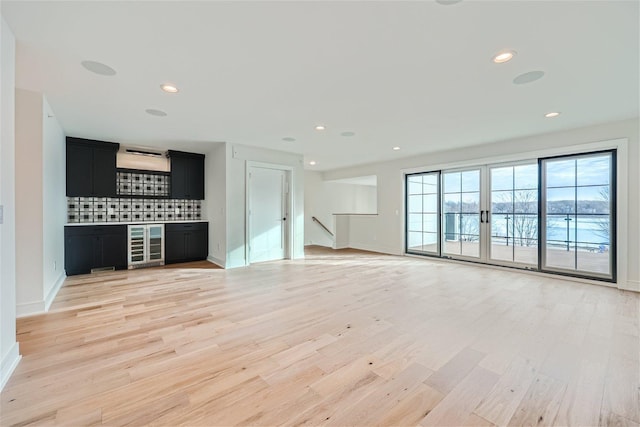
(215, 261)
(30, 308)
(53, 292)
(631, 285)
(374, 248)
(9, 363)
(39, 307)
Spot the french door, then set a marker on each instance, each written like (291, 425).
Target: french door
(553, 214)
(486, 214)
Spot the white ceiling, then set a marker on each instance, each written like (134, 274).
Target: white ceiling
(412, 74)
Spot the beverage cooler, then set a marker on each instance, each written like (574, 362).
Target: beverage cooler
(146, 245)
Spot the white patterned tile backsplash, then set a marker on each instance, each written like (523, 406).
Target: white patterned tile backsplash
(106, 209)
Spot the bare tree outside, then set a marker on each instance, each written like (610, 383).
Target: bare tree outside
(603, 224)
(525, 221)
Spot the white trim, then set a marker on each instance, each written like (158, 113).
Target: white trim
(216, 261)
(622, 208)
(290, 176)
(632, 285)
(523, 156)
(53, 292)
(9, 363)
(30, 308)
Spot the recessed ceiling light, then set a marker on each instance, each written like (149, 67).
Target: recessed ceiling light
(552, 114)
(529, 77)
(154, 112)
(312, 162)
(504, 56)
(98, 68)
(320, 127)
(348, 133)
(169, 88)
(288, 139)
(448, 2)
(396, 148)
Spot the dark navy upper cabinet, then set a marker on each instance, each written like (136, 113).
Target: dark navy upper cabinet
(91, 168)
(187, 175)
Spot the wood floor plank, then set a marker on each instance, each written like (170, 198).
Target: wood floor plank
(339, 338)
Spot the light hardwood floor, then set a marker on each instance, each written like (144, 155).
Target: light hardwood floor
(340, 338)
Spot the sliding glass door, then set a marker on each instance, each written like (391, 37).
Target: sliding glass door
(514, 214)
(461, 234)
(423, 213)
(578, 211)
(554, 214)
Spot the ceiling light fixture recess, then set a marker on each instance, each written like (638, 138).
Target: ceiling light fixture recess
(529, 77)
(320, 127)
(447, 2)
(552, 114)
(98, 68)
(169, 88)
(288, 139)
(396, 148)
(348, 133)
(312, 162)
(503, 56)
(154, 112)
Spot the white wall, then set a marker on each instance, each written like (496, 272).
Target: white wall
(54, 202)
(385, 233)
(352, 198)
(9, 350)
(324, 199)
(237, 157)
(215, 202)
(40, 203)
(317, 203)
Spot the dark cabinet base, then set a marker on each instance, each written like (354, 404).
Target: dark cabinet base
(90, 247)
(186, 242)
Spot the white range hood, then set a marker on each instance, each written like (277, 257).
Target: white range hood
(143, 158)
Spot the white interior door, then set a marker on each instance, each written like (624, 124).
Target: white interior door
(267, 214)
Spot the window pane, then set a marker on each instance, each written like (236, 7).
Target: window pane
(502, 178)
(452, 182)
(430, 203)
(430, 184)
(559, 227)
(470, 202)
(451, 245)
(415, 204)
(415, 222)
(430, 223)
(414, 184)
(561, 173)
(525, 201)
(414, 241)
(559, 257)
(527, 252)
(430, 242)
(594, 260)
(561, 200)
(451, 202)
(594, 170)
(526, 177)
(594, 200)
(501, 201)
(471, 180)
(470, 225)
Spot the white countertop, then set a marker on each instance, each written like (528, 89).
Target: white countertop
(134, 222)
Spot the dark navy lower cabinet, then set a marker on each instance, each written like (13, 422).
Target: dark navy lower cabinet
(90, 247)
